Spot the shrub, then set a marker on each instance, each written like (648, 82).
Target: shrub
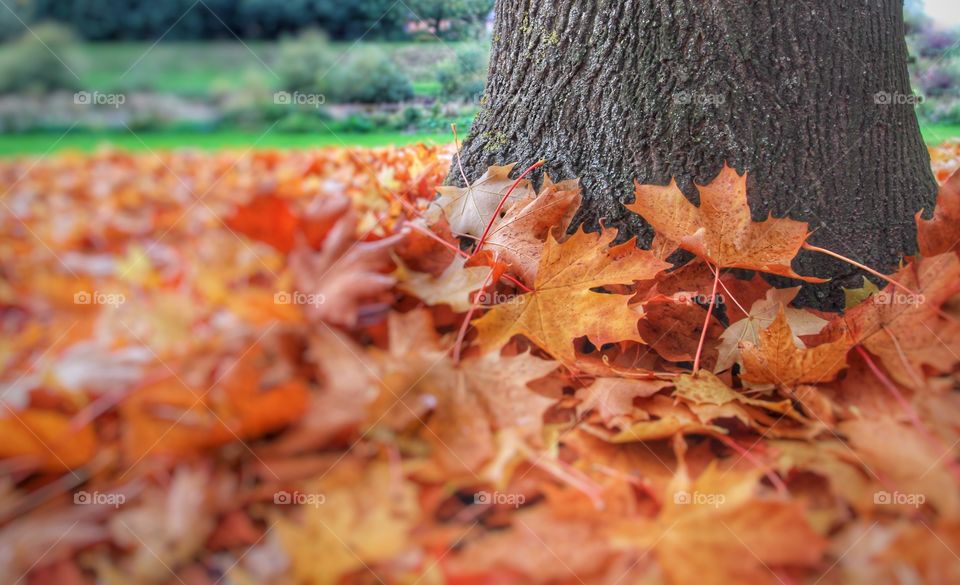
(369, 78)
(302, 60)
(464, 76)
(39, 61)
(306, 122)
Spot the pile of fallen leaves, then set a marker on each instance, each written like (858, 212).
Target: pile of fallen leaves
(303, 368)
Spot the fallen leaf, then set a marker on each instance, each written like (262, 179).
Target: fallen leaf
(777, 358)
(941, 233)
(333, 283)
(469, 209)
(762, 314)
(562, 305)
(721, 230)
(519, 236)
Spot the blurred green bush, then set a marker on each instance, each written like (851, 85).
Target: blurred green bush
(39, 61)
(464, 76)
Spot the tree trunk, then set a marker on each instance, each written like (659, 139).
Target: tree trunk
(811, 97)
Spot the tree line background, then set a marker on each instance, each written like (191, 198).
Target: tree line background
(105, 20)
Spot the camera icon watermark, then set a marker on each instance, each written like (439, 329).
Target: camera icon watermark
(298, 298)
(83, 498)
(886, 98)
(696, 498)
(885, 498)
(98, 298)
(284, 498)
(286, 98)
(97, 98)
(484, 498)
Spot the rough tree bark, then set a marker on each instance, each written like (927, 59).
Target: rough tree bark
(812, 97)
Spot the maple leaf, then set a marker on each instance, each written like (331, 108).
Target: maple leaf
(167, 526)
(671, 419)
(343, 274)
(778, 359)
(673, 328)
(908, 330)
(762, 313)
(705, 388)
(718, 531)
(721, 230)
(169, 417)
(453, 287)
(469, 209)
(928, 550)
(520, 234)
(907, 461)
(470, 401)
(47, 439)
(267, 219)
(562, 305)
(941, 233)
(612, 398)
(340, 404)
(543, 535)
(830, 459)
(366, 518)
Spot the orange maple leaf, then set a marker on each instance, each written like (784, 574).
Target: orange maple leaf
(343, 274)
(719, 530)
(520, 234)
(778, 360)
(721, 230)
(562, 305)
(908, 330)
(941, 233)
(46, 438)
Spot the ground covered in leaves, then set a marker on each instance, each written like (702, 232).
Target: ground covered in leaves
(306, 368)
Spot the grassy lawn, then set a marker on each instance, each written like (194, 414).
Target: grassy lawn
(937, 133)
(39, 143)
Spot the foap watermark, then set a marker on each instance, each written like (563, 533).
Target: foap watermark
(485, 498)
(284, 498)
(83, 498)
(497, 298)
(699, 98)
(98, 98)
(698, 299)
(898, 298)
(285, 98)
(96, 297)
(298, 298)
(684, 498)
(884, 498)
(886, 98)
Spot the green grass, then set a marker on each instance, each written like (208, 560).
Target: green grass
(937, 133)
(43, 142)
